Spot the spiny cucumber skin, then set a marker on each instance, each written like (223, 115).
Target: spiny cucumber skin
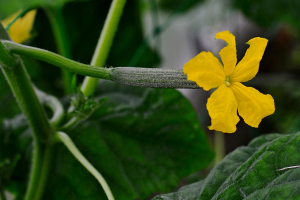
(152, 78)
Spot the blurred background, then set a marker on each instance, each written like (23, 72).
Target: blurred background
(192, 30)
(168, 33)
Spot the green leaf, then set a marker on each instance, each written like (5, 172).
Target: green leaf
(251, 173)
(141, 140)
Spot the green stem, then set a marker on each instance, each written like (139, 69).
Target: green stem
(219, 146)
(67, 141)
(39, 172)
(22, 88)
(105, 41)
(57, 60)
(62, 42)
(71, 123)
(132, 76)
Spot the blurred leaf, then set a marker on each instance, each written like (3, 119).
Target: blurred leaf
(294, 126)
(251, 173)
(177, 6)
(7, 7)
(15, 151)
(85, 23)
(270, 12)
(142, 141)
(287, 97)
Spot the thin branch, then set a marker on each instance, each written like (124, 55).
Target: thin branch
(67, 141)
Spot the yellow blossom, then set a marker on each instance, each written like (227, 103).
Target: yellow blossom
(231, 96)
(20, 29)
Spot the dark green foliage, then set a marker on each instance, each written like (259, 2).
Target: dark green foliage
(251, 173)
(15, 153)
(84, 24)
(271, 12)
(177, 6)
(141, 140)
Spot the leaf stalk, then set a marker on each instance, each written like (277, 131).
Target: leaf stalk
(56, 19)
(105, 41)
(67, 141)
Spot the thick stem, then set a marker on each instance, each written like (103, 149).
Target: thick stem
(22, 88)
(67, 141)
(62, 42)
(39, 171)
(37, 194)
(105, 41)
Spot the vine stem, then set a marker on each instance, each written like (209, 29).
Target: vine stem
(67, 141)
(19, 81)
(57, 60)
(132, 76)
(54, 104)
(219, 146)
(62, 42)
(105, 41)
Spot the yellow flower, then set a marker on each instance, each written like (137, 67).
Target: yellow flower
(207, 71)
(20, 29)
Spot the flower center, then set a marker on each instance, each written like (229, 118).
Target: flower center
(227, 81)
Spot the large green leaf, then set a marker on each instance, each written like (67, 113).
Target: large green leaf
(141, 140)
(251, 173)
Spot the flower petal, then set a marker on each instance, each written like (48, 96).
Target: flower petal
(21, 28)
(222, 108)
(247, 68)
(206, 70)
(228, 53)
(253, 106)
